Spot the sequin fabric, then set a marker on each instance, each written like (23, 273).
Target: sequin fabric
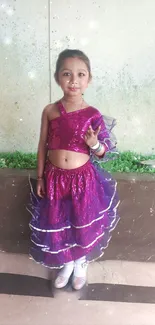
(76, 217)
(79, 211)
(68, 130)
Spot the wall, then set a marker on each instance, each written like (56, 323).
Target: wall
(118, 36)
(24, 72)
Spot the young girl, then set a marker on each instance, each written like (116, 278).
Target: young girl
(77, 210)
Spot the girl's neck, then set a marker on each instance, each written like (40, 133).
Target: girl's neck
(73, 103)
(72, 100)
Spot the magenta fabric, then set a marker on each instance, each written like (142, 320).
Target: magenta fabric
(67, 131)
(76, 217)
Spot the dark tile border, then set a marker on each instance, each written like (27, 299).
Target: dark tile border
(24, 285)
(119, 293)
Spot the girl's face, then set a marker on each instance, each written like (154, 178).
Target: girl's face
(73, 77)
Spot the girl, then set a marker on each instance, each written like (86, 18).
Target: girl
(77, 210)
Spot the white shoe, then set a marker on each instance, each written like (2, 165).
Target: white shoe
(61, 281)
(79, 282)
(64, 276)
(80, 274)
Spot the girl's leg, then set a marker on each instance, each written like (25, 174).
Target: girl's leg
(64, 275)
(80, 273)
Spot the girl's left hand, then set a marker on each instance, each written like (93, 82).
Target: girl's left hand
(91, 136)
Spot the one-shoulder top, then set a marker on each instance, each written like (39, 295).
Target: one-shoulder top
(67, 131)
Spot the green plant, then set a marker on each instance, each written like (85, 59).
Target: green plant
(124, 162)
(128, 162)
(18, 160)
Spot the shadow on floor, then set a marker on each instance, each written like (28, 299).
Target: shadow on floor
(23, 285)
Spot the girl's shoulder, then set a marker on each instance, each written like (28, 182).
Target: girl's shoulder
(49, 107)
(95, 111)
(51, 111)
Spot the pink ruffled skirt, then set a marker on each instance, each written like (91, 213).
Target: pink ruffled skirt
(76, 217)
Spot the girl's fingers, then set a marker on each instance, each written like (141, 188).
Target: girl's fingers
(39, 194)
(87, 134)
(90, 130)
(40, 191)
(97, 131)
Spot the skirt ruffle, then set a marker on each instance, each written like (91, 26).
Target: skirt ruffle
(76, 217)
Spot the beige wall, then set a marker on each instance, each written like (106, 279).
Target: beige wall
(24, 72)
(117, 35)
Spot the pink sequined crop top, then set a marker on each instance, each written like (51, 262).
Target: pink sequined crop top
(67, 131)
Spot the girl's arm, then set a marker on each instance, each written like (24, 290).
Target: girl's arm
(106, 136)
(42, 146)
(100, 138)
(92, 140)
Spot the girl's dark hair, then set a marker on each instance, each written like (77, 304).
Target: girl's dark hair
(71, 54)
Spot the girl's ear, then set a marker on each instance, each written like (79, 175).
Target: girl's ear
(56, 78)
(90, 78)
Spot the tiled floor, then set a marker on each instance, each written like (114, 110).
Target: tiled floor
(28, 299)
(67, 310)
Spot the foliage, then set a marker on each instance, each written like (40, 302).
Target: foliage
(125, 162)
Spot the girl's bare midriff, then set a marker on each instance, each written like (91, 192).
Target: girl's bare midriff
(67, 159)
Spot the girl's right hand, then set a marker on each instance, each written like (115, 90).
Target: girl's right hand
(41, 188)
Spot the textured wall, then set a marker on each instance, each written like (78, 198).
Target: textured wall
(24, 73)
(118, 36)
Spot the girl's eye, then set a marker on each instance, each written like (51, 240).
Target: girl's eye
(66, 74)
(81, 74)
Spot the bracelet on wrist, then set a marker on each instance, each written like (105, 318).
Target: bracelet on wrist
(95, 146)
(98, 149)
(39, 178)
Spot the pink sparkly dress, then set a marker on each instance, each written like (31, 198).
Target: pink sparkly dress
(79, 211)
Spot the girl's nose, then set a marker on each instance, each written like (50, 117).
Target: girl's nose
(73, 80)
